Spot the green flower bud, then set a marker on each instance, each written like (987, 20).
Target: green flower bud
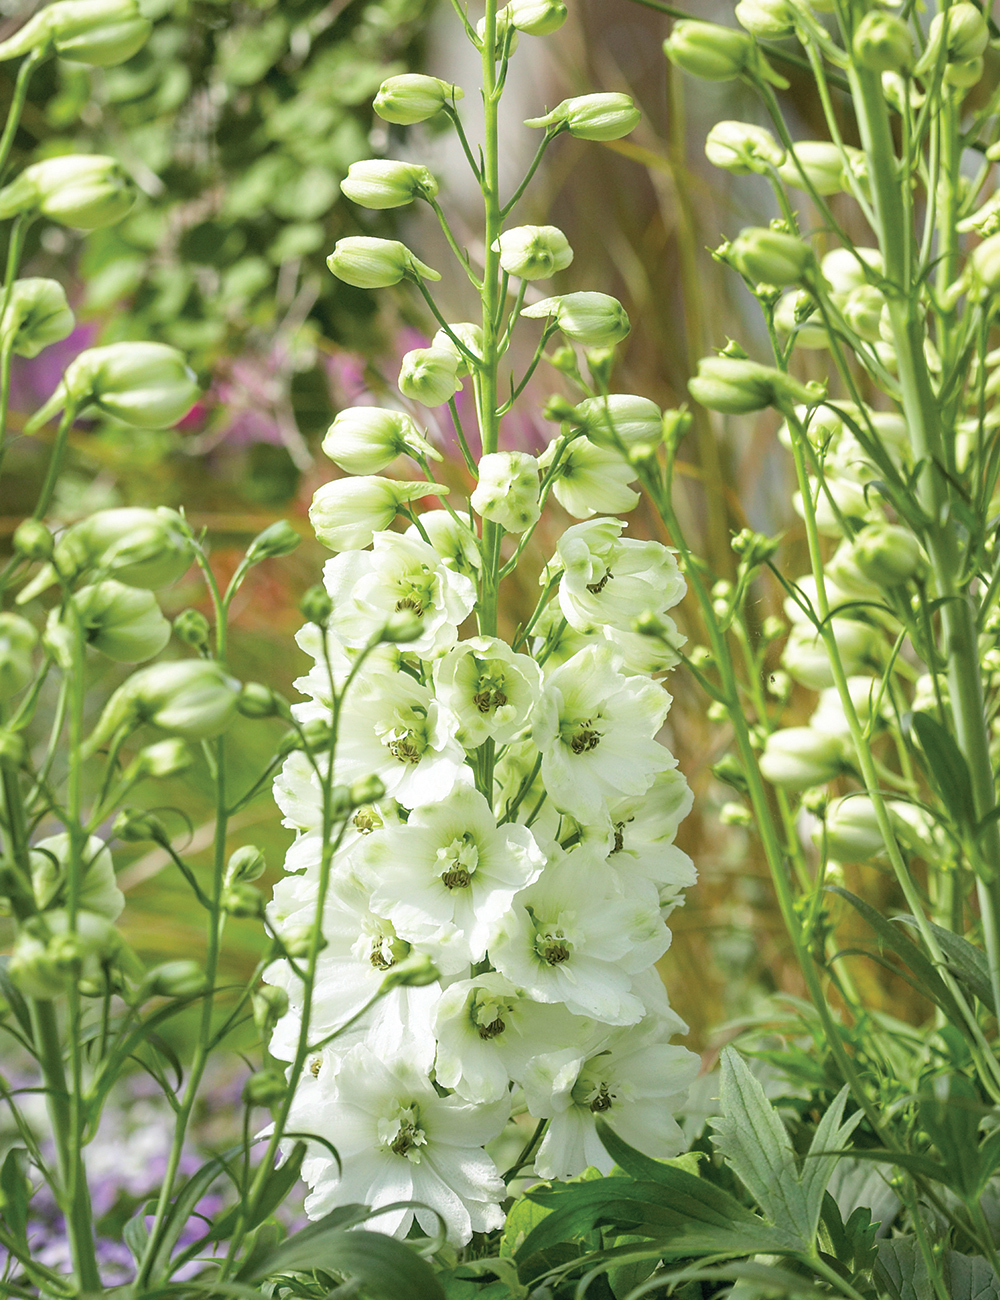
(316, 606)
(766, 19)
(984, 264)
(728, 771)
(13, 750)
(862, 309)
(414, 971)
(346, 513)
(146, 385)
(964, 74)
(381, 183)
(469, 335)
(709, 51)
(770, 255)
(49, 952)
(181, 978)
(165, 758)
(600, 363)
(17, 641)
(962, 30)
(564, 360)
(607, 116)
(736, 387)
(140, 547)
(507, 491)
(594, 319)
(736, 814)
(98, 891)
(193, 628)
(297, 941)
(365, 439)
(317, 735)
(269, 1005)
(99, 32)
(822, 163)
(246, 864)
(193, 698)
(506, 34)
(277, 539)
(537, 17)
(852, 831)
(888, 554)
(369, 263)
(265, 1088)
(124, 623)
(620, 420)
(754, 549)
(135, 825)
(799, 757)
(366, 790)
(33, 540)
(259, 701)
(413, 97)
(401, 627)
(533, 252)
(807, 661)
(36, 316)
(429, 376)
(740, 148)
(243, 901)
(81, 190)
(796, 314)
(882, 43)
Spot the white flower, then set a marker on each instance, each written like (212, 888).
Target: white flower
(447, 877)
(399, 573)
(799, 757)
(98, 891)
(595, 729)
(348, 512)
(609, 581)
(641, 841)
(569, 938)
(456, 544)
(489, 688)
(590, 480)
(488, 1030)
(365, 439)
(399, 733)
(507, 491)
(399, 1141)
(632, 1078)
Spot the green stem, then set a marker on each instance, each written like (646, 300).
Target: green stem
(17, 102)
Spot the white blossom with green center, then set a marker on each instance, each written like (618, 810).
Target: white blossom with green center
(590, 480)
(489, 688)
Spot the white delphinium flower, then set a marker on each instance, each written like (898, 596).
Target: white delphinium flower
(399, 573)
(447, 877)
(596, 731)
(571, 938)
(299, 794)
(488, 1030)
(607, 580)
(590, 480)
(631, 1077)
(399, 1141)
(396, 730)
(507, 491)
(456, 544)
(489, 688)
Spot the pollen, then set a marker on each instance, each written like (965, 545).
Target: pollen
(595, 588)
(493, 1030)
(585, 740)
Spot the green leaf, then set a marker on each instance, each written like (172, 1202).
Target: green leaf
(135, 1234)
(15, 1192)
(947, 767)
(966, 962)
(304, 1245)
(623, 1277)
(853, 1242)
(952, 1124)
(818, 1169)
(12, 996)
(524, 1215)
(902, 1270)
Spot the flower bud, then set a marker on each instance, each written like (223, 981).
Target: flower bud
(754, 549)
(243, 901)
(963, 31)
(164, 758)
(99, 32)
(81, 190)
(49, 952)
(469, 335)
(429, 376)
(799, 757)
(414, 971)
(852, 831)
(882, 43)
(401, 627)
(124, 623)
(607, 116)
(181, 978)
(771, 256)
(709, 51)
(192, 627)
(265, 1088)
(365, 439)
(316, 606)
(621, 420)
(741, 148)
(822, 163)
(594, 319)
(17, 641)
(246, 864)
(146, 385)
(537, 17)
(766, 19)
(277, 539)
(297, 941)
(533, 252)
(507, 491)
(736, 814)
(369, 263)
(36, 316)
(381, 183)
(807, 661)
(366, 790)
(984, 264)
(193, 698)
(735, 386)
(796, 315)
(413, 97)
(13, 749)
(862, 309)
(564, 360)
(259, 701)
(269, 1005)
(506, 33)
(33, 540)
(888, 554)
(600, 363)
(964, 73)
(346, 513)
(134, 825)
(140, 547)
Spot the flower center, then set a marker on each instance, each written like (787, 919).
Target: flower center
(620, 836)
(404, 745)
(367, 820)
(553, 947)
(595, 588)
(457, 861)
(601, 1100)
(488, 1015)
(385, 950)
(402, 1135)
(584, 738)
(411, 602)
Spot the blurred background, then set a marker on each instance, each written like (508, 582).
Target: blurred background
(238, 121)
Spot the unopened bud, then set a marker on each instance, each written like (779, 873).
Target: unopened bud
(729, 772)
(18, 639)
(557, 408)
(381, 183)
(33, 540)
(675, 427)
(413, 97)
(620, 420)
(346, 514)
(735, 814)
(243, 901)
(265, 1088)
(533, 252)
(852, 830)
(297, 941)
(414, 971)
(607, 116)
(963, 31)
(507, 491)
(773, 627)
(594, 319)
(269, 1005)
(85, 191)
(537, 17)
(888, 554)
(882, 43)
(820, 161)
(193, 628)
(600, 363)
(134, 825)
(165, 758)
(365, 439)
(246, 864)
(317, 735)
(99, 32)
(709, 51)
(140, 547)
(735, 386)
(564, 360)
(754, 548)
(276, 540)
(429, 376)
(369, 263)
(194, 699)
(770, 255)
(766, 19)
(36, 316)
(862, 309)
(366, 790)
(316, 605)
(259, 701)
(181, 978)
(124, 623)
(799, 757)
(13, 750)
(740, 148)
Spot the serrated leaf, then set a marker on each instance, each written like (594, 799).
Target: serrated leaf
(817, 1169)
(967, 962)
(966, 1277)
(755, 1145)
(947, 767)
